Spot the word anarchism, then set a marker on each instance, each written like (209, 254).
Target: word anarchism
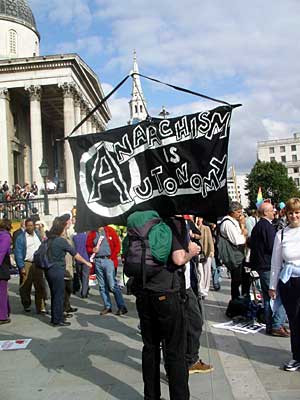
(175, 165)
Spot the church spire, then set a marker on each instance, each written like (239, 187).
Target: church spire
(137, 103)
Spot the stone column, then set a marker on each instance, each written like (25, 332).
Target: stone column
(83, 115)
(69, 124)
(77, 102)
(27, 164)
(4, 134)
(89, 122)
(36, 134)
(94, 125)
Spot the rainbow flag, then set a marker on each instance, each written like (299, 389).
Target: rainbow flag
(259, 198)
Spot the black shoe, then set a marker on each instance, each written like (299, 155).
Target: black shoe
(5, 321)
(122, 311)
(72, 309)
(65, 323)
(27, 309)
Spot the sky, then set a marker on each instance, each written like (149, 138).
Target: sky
(237, 51)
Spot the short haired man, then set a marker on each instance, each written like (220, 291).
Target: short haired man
(104, 245)
(262, 240)
(26, 245)
(232, 228)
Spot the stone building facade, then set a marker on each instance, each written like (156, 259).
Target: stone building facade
(285, 151)
(42, 98)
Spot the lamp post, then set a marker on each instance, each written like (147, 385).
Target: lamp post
(44, 174)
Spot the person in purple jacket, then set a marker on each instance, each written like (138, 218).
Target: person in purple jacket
(5, 242)
(82, 270)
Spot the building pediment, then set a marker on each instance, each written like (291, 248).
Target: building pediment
(51, 69)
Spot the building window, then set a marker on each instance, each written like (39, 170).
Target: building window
(297, 181)
(272, 159)
(136, 109)
(296, 170)
(293, 147)
(141, 108)
(271, 150)
(282, 149)
(294, 157)
(283, 158)
(12, 39)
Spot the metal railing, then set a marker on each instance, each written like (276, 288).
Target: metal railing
(21, 209)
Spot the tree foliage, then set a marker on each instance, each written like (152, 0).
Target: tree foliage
(273, 179)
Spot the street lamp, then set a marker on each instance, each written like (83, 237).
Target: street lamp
(44, 170)
(164, 113)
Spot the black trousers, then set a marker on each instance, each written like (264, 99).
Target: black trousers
(68, 292)
(83, 272)
(194, 322)
(55, 278)
(162, 319)
(290, 296)
(239, 278)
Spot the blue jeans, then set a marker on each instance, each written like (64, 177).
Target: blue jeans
(104, 268)
(276, 320)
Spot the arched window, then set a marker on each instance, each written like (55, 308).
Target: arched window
(12, 42)
(136, 108)
(141, 108)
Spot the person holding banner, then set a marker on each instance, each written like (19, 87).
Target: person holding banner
(58, 247)
(103, 246)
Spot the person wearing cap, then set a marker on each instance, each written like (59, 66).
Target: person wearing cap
(233, 229)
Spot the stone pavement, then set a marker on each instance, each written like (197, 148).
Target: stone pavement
(99, 358)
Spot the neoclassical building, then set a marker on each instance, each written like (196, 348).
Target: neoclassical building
(42, 98)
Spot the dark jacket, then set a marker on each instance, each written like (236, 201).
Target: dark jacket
(261, 243)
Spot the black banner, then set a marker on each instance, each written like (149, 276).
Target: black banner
(174, 166)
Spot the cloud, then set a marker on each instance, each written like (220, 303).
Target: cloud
(90, 45)
(65, 12)
(119, 107)
(276, 129)
(244, 52)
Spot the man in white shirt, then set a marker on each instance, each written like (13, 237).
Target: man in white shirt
(26, 245)
(51, 187)
(232, 228)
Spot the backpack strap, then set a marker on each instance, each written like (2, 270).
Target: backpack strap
(282, 232)
(141, 239)
(220, 234)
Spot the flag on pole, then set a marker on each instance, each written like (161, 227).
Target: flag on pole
(173, 166)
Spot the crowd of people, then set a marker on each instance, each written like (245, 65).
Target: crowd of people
(24, 192)
(169, 302)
